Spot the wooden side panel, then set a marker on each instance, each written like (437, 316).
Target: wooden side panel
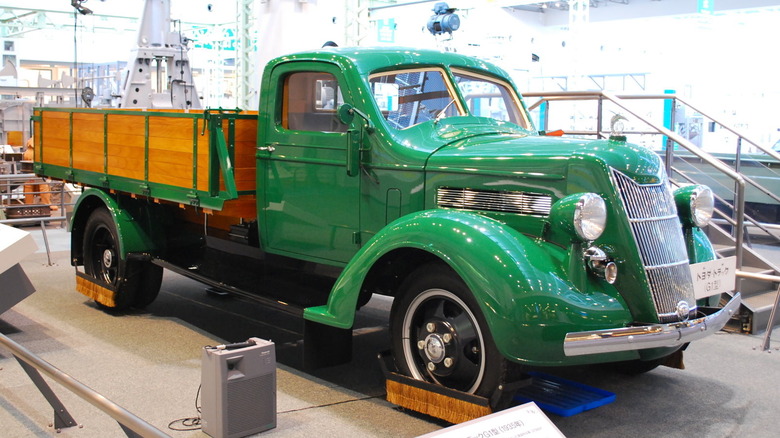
(88, 141)
(171, 151)
(126, 146)
(164, 148)
(56, 139)
(203, 157)
(244, 207)
(245, 144)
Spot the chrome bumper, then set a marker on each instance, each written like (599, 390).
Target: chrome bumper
(650, 336)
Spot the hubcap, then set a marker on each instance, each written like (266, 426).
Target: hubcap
(434, 348)
(108, 258)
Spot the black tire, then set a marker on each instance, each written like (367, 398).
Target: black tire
(439, 334)
(136, 283)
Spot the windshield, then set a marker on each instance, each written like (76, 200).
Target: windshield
(488, 97)
(410, 97)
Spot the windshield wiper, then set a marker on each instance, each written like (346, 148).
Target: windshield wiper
(443, 112)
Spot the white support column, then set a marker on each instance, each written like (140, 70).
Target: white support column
(246, 56)
(357, 21)
(579, 17)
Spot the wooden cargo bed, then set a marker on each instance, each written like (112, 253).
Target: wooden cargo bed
(204, 159)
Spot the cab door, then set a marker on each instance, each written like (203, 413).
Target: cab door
(310, 206)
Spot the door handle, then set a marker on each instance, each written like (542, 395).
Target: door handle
(266, 148)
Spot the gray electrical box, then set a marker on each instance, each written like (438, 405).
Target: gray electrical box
(238, 392)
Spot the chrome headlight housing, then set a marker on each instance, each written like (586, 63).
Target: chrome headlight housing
(600, 264)
(583, 215)
(590, 216)
(695, 205)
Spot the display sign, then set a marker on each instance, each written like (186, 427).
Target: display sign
(714, 277)
(526, 420)
(385, 30)
(706, 6)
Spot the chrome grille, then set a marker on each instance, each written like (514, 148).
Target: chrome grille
(492, 200)
(658, 235)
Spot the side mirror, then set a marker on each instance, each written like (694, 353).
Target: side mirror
(346, 113)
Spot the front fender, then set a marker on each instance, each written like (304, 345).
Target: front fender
(699, 246)
(519, 282)
(134, 233)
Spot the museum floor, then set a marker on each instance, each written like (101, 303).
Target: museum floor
(149, 362)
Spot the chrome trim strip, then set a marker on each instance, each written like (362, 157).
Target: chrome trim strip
(650, 336)
(535, 204)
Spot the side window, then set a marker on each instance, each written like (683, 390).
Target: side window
(310, 102)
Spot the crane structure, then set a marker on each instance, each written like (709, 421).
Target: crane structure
(159, 73)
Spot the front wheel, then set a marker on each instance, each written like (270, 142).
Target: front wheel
(135, 283)
(440, 336)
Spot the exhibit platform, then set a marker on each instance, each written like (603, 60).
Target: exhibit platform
(149, 362)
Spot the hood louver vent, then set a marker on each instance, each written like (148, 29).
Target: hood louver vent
(489, 200)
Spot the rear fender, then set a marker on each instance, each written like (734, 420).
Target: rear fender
(131, 220)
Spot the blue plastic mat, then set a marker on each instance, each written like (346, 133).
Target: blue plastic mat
(560, 396)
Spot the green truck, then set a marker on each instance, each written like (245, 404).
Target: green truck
(409, 173)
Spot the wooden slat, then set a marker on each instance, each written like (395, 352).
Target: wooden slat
(126, 167)
(56, 156)
(171, 128)
(126, 146)
(125, 124)
(88, 141)
(244, 207)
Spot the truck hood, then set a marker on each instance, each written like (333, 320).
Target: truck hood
(522, 154)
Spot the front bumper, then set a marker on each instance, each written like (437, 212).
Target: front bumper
(648, 336)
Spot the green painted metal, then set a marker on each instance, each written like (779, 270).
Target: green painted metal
(225, 163)
(134, 224)
(520, 283)
(465, 151)
(699, 247)
(311, 205)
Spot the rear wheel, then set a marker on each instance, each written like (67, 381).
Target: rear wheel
(136, 283)
(440, 336)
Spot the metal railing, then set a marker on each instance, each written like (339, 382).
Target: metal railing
(33, 365)
(602, 96)
(738, 217)
(12, 194)
(739, 158)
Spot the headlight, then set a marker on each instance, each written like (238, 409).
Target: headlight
(590, 216)
(695, 205)
(583, 216)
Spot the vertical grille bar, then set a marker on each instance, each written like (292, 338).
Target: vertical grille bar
(658, 235)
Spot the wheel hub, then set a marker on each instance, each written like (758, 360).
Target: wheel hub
(434, 348)
(108, 258)
(438, 347)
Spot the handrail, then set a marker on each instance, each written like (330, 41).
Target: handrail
(593, 95)
(764, 149)
(125, 418)
(739, 181)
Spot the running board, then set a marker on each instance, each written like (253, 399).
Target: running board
(265, 301)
